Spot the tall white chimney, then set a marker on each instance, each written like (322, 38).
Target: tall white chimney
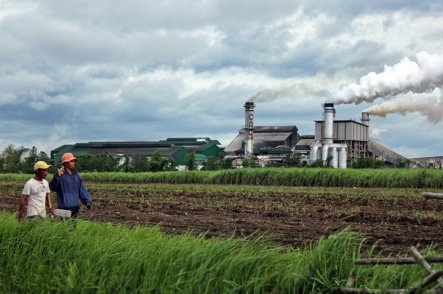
(365, 118)
(329, 114)
(249, 126)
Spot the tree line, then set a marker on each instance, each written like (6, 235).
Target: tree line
(12, 161)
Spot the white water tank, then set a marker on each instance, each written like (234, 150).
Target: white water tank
(343, 158)
(324, 153)
(314, 151)
(334, 161)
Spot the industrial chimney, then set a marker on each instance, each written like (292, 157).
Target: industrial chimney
(365, 118)
(249, 126)
(329, 114)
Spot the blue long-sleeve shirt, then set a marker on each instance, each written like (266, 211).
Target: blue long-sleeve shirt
(70, 191)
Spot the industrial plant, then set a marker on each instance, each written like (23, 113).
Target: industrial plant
(335, 142)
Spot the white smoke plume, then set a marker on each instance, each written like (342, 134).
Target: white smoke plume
(269, 95)
(299, 89)
(423, 75)
(431, 107)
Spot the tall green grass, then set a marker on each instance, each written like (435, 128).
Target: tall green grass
(85, 257)
(393, 178)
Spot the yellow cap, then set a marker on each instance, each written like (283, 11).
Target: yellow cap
(41, 165)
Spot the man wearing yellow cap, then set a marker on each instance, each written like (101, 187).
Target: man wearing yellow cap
(36, 194)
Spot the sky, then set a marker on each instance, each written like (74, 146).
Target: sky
(80, 71)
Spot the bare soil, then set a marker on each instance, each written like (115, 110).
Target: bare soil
(394, 219)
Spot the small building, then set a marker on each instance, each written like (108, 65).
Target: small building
(430, 161)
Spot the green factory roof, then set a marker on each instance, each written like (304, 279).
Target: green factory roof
(176, 148)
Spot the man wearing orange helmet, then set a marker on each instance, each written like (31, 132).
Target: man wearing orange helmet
(36, 194)
(69, 186)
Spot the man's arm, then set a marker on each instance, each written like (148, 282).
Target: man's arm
(22, 207)
(84, 195)
(54, 185)
(50, 204)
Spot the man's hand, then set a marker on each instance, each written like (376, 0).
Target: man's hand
(60, 171)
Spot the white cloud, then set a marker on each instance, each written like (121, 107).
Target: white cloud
(147, 70)
(390, 29)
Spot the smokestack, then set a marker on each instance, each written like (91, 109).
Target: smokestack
(249, 126)
(329, 114)
(365, 118)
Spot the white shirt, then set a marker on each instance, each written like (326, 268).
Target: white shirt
(36, 190)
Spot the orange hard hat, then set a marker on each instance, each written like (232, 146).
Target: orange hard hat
(67, 157)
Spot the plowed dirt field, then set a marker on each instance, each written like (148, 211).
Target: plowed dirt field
(393, 218)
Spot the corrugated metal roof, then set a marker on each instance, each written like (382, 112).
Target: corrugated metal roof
(129, 144)
(275, 129)
(342, 121)
(428, 158)
(382, 151)
(164, 151)
(236, 144)
(305, 142)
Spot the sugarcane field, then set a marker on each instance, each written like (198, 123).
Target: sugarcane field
(346, 225)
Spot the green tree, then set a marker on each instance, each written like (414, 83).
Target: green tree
(125, 165)
(227, 163)
(157, 163)
(43, 156)
(294, 160)
(216, 163)
(97, 163)
(11, 159)
(85, 162)
(401, 163)
(27, 166)
(190, 162)
(250, 162)
(140, 163)
(317, 163)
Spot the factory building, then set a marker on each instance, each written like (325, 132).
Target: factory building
(335, 142)
(270, 144)
(352, 137)
(430, 161)
(174, 149)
